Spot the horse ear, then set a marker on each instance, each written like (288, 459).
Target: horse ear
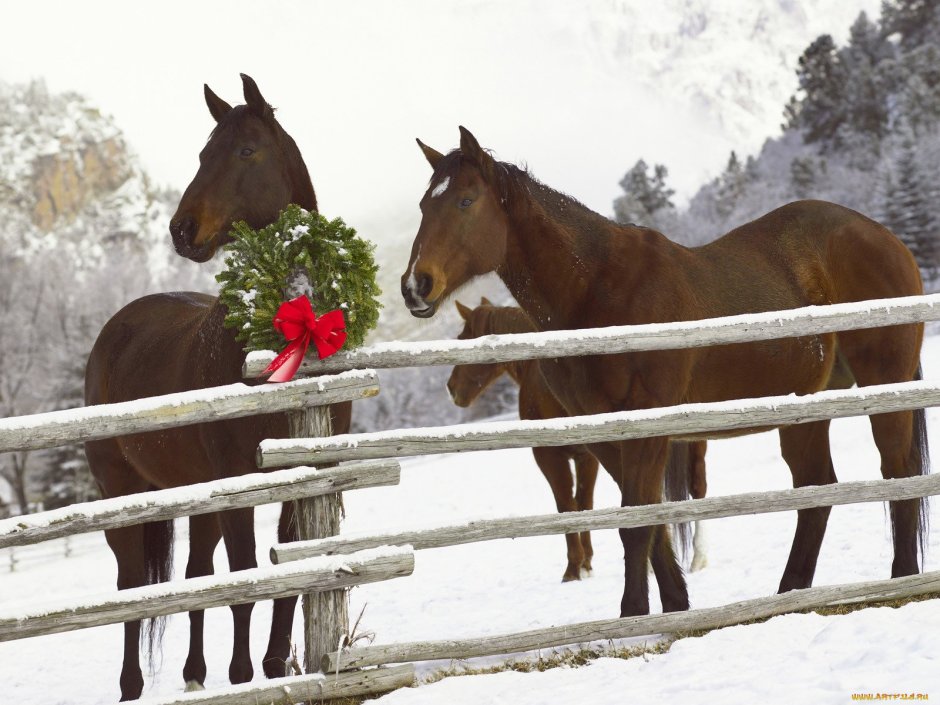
(471, 148)
(218, 108)
(464, 311)
(432, 155)
(485, 301)
(253, 98)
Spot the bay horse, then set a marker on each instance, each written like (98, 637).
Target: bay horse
(685, 469)
(569, 268)
(250, 169)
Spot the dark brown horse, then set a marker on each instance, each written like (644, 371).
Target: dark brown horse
(685, 469)
(249, 170)
(569, 267)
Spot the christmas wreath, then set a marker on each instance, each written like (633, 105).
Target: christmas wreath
(270, 272)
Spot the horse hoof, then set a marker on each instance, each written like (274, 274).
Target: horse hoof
(193, 686)
(586, 572)
(568, 577)
(697, 564)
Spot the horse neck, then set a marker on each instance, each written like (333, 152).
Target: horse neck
(302, 192)
(555, 249)
(510, 319)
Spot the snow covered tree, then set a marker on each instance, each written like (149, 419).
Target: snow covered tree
(822, 80)
(646, 196)
(909, 210)
(917, 22)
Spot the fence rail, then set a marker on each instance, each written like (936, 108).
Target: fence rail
(682, 421)
(620, 517)
(810, 320)
(56, 428)
(204, 498)
(647, 625)
(315, 574)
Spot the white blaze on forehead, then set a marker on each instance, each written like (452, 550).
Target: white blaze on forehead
(441, 187)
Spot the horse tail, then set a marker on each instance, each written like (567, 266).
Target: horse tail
(158, 566)
(677, 487)
(919, 464)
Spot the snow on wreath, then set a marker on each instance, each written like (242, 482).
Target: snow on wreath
(300, 254)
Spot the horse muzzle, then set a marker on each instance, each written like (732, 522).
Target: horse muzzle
(414, 289)
(183, 232)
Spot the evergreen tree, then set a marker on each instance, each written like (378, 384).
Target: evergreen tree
(866, 107)
(822, 81)
(731, 186)
(917, 22)
(908, 211)
(645, 196)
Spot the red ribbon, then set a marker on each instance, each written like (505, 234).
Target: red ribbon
(298, 323)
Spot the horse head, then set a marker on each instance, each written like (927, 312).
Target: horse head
(464, 225)
(467, 382)
(250, 169)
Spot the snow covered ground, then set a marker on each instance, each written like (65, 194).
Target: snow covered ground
(507, 586)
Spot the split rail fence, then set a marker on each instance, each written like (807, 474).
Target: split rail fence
(323, 564)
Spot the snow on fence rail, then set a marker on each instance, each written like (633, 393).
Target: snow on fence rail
(252, 585)
(619, 517)
(770, 325)
(310, 687)
(87, 423)
(203, 498)
(625, 627)
(682, 421)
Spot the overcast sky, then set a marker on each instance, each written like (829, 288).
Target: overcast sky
(356, 82)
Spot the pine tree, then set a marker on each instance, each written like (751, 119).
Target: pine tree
(908, 211)
(731, 186)
(866, 106)
(822, 81)
(645, 196)
(916, 21)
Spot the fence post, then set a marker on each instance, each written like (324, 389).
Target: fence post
(326, 614)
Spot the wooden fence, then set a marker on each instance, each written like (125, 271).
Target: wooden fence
(323, 564)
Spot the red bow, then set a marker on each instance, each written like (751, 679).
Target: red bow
(298, 323)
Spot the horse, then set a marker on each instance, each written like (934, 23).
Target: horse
(569, 267)
(685, 470)
(249, 170)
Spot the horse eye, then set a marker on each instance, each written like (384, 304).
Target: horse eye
(466, 202)
(247, 152)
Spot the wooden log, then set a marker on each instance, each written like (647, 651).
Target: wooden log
(326, 614)
(244, 586)
(204, 498)
(620, 517)
(312, 687)
(811, 320)
(647, 625)
(683, 421)
(231, 401)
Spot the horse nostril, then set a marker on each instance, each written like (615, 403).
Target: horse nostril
(424, 285)
(183, 229)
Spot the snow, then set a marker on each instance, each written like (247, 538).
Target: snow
(514, 585)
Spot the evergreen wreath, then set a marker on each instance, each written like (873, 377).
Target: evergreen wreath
(300, 253)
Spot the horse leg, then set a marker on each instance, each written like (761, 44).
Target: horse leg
(901, 438)
(885, 356)
(642, 467)
(238, 531)
(282, 619)
(553, 462)
(585, 470)
(204, 535)
(127, 544)
(697, 485)
(805, 449)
